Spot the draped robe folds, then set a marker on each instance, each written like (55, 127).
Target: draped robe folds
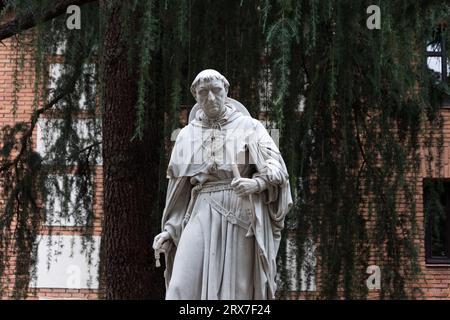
(209, 258)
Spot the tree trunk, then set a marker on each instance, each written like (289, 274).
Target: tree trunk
(131, 175)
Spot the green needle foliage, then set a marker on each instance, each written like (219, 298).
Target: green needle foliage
(353, 153)
(351, 103)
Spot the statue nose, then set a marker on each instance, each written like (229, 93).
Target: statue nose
(211, 96)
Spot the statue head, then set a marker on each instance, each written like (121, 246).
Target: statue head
(210, 90)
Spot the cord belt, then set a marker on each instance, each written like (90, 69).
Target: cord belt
(229, 215)
(214, 186)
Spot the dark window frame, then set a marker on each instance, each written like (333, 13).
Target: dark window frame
(445, 73)
(428, 219)
(443, 55)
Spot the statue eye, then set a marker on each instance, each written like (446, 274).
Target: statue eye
(217, 90)
(202, 92)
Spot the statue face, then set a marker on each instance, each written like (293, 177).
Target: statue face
(211, 97)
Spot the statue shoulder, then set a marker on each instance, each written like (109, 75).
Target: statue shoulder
(251, 122)
(183, 132)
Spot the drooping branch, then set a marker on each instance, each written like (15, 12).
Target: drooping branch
(29, 132)
(29, 20)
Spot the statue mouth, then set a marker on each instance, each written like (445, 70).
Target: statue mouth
(212, 106)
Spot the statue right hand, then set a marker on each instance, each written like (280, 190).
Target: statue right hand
(160, 240)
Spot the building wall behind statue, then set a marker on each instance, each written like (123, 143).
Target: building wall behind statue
(65, 269)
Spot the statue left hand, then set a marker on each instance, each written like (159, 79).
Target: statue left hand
(244, 186)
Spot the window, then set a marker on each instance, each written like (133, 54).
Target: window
(66, 205)
(437, 59)
(66, 262)
(85, 88)
(84, 136)
(437, 221)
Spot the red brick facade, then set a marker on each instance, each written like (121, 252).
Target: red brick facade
(25, 99)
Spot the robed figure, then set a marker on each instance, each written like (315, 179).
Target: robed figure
(227, 199)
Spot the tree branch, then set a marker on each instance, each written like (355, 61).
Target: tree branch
(27, 135)
(29, 20)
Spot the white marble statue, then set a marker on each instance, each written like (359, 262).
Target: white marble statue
(227, 198)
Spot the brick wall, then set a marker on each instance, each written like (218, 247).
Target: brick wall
(25, 99)
(435, 279)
